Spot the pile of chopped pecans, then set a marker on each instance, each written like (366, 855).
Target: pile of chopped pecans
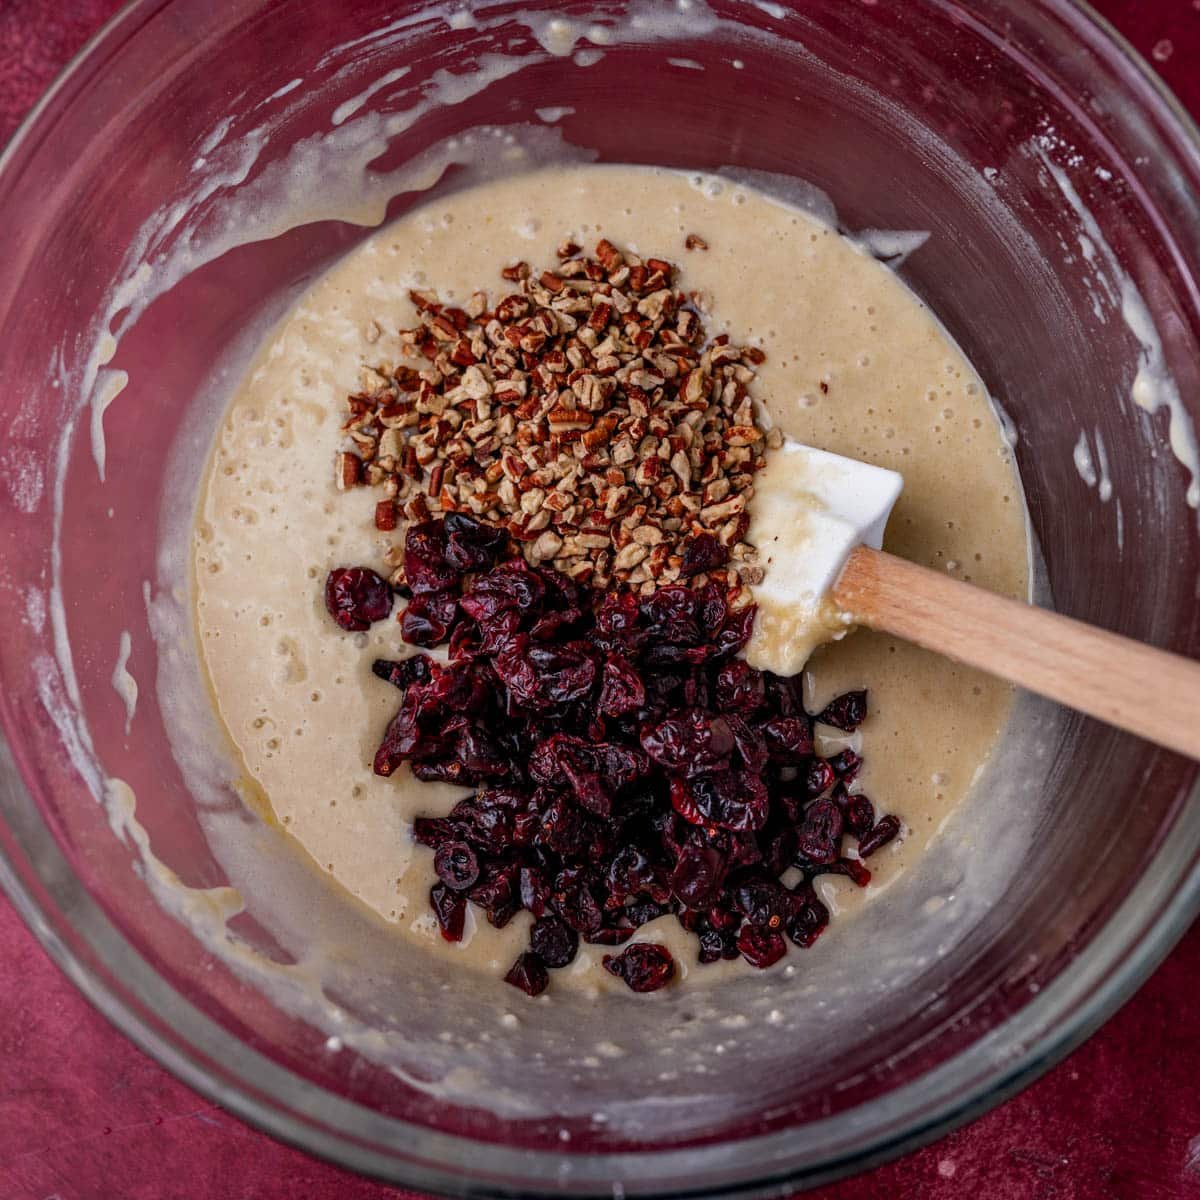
(584, 413)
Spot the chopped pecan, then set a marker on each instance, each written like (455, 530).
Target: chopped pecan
(583, 412)
(385, 515)
(348, 470)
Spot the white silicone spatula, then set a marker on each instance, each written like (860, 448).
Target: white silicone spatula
(842, 574)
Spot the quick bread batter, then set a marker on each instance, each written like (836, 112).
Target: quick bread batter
(855, 364)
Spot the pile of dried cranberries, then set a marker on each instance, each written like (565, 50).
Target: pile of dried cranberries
(625, 764)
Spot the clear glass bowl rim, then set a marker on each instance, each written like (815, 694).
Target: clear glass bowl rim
(126, 989)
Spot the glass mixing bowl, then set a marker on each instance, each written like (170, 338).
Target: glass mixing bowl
(143, 243)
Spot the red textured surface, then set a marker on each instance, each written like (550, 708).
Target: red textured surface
(85, 1116)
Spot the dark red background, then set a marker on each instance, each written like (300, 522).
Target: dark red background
(85, 1116)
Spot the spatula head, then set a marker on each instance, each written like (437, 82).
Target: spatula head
(810, 509)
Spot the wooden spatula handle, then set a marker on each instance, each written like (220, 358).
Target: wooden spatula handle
(1135, 687)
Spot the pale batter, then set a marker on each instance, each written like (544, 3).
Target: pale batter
(855, 364)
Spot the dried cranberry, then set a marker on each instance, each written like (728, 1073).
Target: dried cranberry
(684, 804)
(456, 865)
(433, 831)
(458, 690)
(427, 619)
(356, 597)
(691, 741)
(711, 610)
(592, 772)
(670, 616)
(698, 875)
(735, 633)
(644, 966)
(525, 828)
(555, 625)
(553, 941)
(711, 946)
(846, 766)
(808, 917)
(425, 565)
(761, 947)
(617, 614)
(528, 974)
(512, 586)
(534, 890)
(561, 590)
(398, 743)
(789, 739)
(668, 831)
(724, 920)
(590, 791)
(846, 712)
(642, 912)
(573, 901)
(702, 553)
(472, 545)
(550, 758)
(620, 765)
(403, 674)
(442, 770)
(515, 670)
(450, 908)
(563, 829)
(884, 830)
(821, 832)
(478, 754)
(496, 894)
(631, 873)
(860, 816)
(515, 799)
(733, 800)
(740, 688)
(818, 777)
(489, 638)
(487, 826)
(751, 745)
(621, 688)
(763, 902)
(540, 678)
(715, 946)
(564, 672)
